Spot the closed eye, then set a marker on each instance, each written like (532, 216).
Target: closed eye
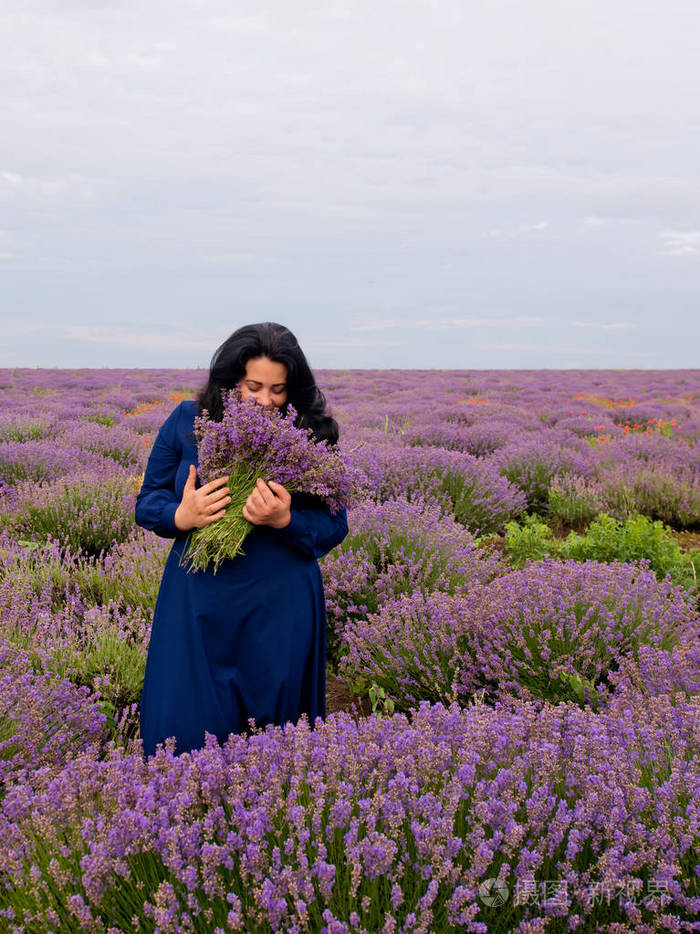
(256, 387)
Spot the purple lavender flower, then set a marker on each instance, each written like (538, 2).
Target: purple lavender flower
(253, 441)
(44, 720)
(377, 824)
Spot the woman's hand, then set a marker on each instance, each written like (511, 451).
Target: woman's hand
(203, 506)
(268, 504)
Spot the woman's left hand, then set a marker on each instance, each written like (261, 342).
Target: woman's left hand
(268, 504)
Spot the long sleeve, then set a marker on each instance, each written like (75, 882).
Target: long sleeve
(315, 531)
(157, 501)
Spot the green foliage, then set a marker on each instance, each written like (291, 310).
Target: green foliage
(530, 541)
(381, 702)
(608, 539)
(637, 539)
(583, 689)
(100, 419)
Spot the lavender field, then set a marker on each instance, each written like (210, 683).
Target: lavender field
(517, 602)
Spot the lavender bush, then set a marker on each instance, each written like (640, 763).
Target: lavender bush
(87, 511)
(474, 492)
(395, 547)
(32, 460)
(558, 629)
(418, 647)
(86, 644)
(379, 825)
(653, 491)
(573, 501)
(115, 442)
(128, 575)
(553, 631)
(19, 427)
(659, 672)
(531, 464)
(44, 720)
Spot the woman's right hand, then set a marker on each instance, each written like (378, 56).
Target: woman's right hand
(203, 506)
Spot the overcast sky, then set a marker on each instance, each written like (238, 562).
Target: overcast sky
(404, 184)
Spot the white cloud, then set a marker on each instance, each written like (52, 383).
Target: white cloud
(345, 343)
(107, 335)
(444, 324)
(22, 190)
(512, 233)
(541, 350)
(11, 178)
(604, 326)
(133, 337)
(228, 259)
(680, 242)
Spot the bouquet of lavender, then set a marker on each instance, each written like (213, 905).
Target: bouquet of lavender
(252, 441)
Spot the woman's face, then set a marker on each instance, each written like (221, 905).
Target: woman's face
(265, 381)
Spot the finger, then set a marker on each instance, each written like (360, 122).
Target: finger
(208, 505)
(258, 500)
(214, 484)
(280, 491)
(265, 492)
(191, 477)
(215, 517)
(250, 516)
(218, 507)
(218, 496)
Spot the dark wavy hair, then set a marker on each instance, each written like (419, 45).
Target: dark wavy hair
(277, 343)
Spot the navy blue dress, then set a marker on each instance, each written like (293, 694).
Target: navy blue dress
(248, 641)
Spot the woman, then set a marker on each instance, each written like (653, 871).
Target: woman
(250, 640)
